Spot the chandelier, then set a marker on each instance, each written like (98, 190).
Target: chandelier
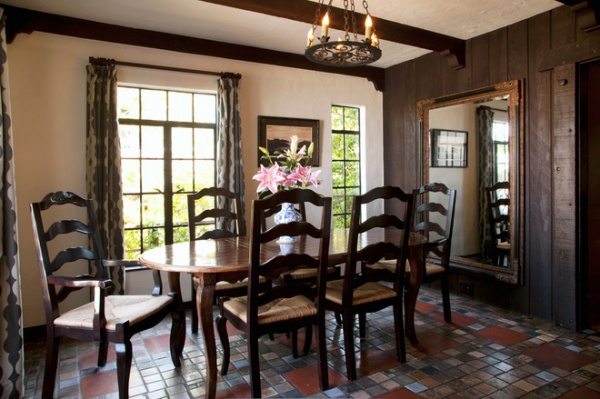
(343, 53)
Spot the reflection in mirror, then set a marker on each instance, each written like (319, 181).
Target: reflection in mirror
(472, 141)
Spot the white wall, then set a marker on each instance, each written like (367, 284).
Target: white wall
(48, 89)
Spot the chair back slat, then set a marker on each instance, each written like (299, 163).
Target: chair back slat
(218, 209)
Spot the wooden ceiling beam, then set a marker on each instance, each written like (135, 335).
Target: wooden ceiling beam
(304, 11)
(21, 20)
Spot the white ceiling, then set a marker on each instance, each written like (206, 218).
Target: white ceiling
(463, 19)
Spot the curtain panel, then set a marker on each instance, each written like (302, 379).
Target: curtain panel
(485, 120)
(103, 160)
(230, 168)
(11, 322)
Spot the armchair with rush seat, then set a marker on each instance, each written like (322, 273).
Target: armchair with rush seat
(498, 213)
(107, 318)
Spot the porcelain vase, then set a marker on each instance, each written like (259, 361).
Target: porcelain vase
(287, 214)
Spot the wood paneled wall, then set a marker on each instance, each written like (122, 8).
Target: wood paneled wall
(529, 50)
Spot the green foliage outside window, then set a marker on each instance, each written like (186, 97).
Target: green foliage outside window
(345, 164)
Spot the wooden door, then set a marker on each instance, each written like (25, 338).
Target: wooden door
(589, 168)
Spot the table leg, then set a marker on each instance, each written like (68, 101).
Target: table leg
(204, 301)
(417, 271)
(175, 286)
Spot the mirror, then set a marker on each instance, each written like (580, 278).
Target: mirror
(470, 141)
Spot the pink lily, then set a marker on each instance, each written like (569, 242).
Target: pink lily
(269, 178)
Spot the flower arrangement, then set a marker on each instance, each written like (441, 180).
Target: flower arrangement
(288, 172)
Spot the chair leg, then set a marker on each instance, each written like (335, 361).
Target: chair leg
(322, 357)
(102, 353)
(252, 342)
(446, 299)
(194, 309)
(51, 367)
(307, 339)
(362, 325)
(399, 330)
(222, 330)
(124, 358)
(294, 339)
(348, 326)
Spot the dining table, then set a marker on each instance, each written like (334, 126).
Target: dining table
(227, 259)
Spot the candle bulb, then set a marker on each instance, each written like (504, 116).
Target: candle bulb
(310, 38)
(374, 40)
(325, 29)
(368, 27)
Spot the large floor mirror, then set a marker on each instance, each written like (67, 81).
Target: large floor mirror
(472, 141)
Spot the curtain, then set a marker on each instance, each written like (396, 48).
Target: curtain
(485, 120)
(230, 170)
(103, 160)
(11, 331)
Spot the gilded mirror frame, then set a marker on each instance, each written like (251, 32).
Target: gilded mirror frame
(513, 273)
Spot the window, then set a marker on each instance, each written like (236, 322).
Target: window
(501, 158)
(167, 151)
(345, 161)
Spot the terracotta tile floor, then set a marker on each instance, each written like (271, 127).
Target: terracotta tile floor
(484, 352)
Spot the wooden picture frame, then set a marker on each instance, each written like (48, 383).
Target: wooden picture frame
(449, 148)
(274, 134)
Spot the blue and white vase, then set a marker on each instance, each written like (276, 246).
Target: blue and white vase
(287, 214)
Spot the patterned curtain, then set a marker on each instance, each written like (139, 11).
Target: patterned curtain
(485, 119)
(11, 331)
(230, 168)
(103, 159)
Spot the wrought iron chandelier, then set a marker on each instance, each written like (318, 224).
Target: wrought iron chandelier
(343, 53)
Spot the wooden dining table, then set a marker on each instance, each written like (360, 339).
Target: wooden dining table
(227, 259)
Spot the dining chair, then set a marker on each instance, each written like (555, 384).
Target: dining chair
(361, 292)
(107, 317)
(283, 308)
(498, 213)
(215, 212)
(434, 218)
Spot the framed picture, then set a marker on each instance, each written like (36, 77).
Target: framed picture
(448, 148)
(275, 134)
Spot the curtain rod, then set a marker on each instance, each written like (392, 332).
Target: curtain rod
(110, 61)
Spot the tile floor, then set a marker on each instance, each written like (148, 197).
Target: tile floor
(484, 352)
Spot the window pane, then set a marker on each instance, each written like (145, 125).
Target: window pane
(338, 221)
(154, 104)
(352, 174)
(153, 210)
(180, 216)
(130, 175)
(153, 238)
(152, 142)
(182, 177)
(129, 102)
(204, 108)
(133, 244)
(129, 137)
(182, 144)
(153, 176)
(131, 211)
(204, 143)
(205, 174)
(180, 106)
(337, 173)
(352, 146)
(337, 118)
(180, 234)
(337, 146)
(351, 121)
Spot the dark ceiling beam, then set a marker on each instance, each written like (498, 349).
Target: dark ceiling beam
(21, 20)
(304, 11)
